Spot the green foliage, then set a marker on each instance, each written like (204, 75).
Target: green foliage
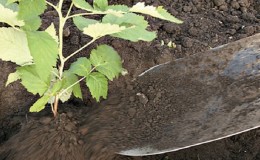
(14, 46)
(39, 54)
(98, 85)
(106, 61)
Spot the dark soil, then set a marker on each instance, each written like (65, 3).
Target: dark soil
(84, 132)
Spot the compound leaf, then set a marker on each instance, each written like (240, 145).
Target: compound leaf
(82, 4)
(100, 4)
(107, 61)
(39, 104)
(32, 81)
(14, 46)
(101, 29)
(44, 50)
(12, 77)
(81, 67)
(158, 12)
(82, 22)
(9, 16)
(98, 85)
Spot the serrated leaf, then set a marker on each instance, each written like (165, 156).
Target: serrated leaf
(107, 61)
(98, 85)
(158, 12)
(127, 20)
(135, 34)
(122, 8)
(82, 22)
(52, 32)
(32, 81)
(81, 67)
(39, 104)
(100, 4)
(44, 50)
(14, 46)
(82, 4)
(9, 16)
(101, 29)
(12, 77)
(136, 27)
(70, 79)
(31, 8)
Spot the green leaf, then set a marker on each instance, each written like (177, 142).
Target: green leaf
(52, 32)
(44, 50)
(127, 20)
(158, 12)
(136, 27)
(12, 1)
(40, 104)
(98, 85)
(82, 22)
(32, 24)
(135, 34)
(12, 77)
(32, 81)
(122, 8)
(82, 4)
(9, 16)
(81, 67)
(100, 4)
(70, 79)
(101, 29)
(56, 87)
(10, 5)
(31, 8)
(29, 11)
(14, 46)
(65, 96)
(107, 61)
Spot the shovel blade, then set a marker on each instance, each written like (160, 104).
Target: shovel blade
(196, 100)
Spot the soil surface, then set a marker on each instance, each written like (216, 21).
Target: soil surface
(76, 135)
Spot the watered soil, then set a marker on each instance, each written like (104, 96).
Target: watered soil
(81, 132)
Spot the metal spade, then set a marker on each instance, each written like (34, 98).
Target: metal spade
(203, 98)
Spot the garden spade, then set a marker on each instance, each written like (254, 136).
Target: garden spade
(194, 100)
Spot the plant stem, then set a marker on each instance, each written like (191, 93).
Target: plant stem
(49, 3)
(55, 109)
(62, 21)
(77, 51)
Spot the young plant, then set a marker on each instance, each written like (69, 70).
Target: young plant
(39, 54)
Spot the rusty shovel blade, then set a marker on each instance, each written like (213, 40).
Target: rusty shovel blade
(204, 98)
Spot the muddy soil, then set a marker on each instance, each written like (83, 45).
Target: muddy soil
(207, 24)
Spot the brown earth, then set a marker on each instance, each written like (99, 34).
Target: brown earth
(207, 24)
